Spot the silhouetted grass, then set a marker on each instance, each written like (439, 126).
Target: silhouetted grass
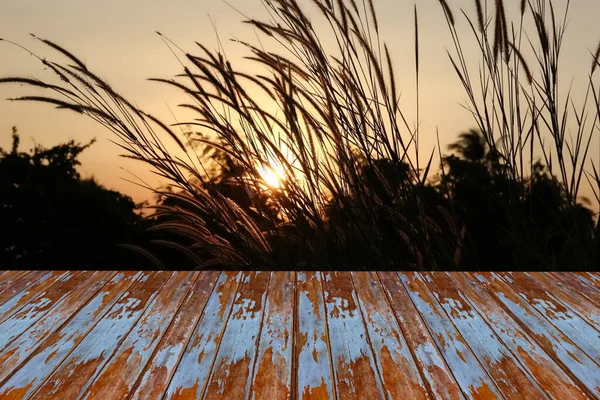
(525, 113)
(355, 193)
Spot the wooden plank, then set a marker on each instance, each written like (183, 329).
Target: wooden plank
(567, 321)
(273, 375)
(23, 346)
(38, 306)
(17, 286)
(155, 378)
(542, 367)
(569, 297)
(120, 373)
(355, 370)
(96, 348)
(314, 372)
(510, 377)
(231, 374)
(33, 291)
(8, 277)
(470, 375)
(437, 376)
(591, 278)
(555, 343)
(293, 335)
(573, 283)
(399, 373)
(53, 351)
(194, 368)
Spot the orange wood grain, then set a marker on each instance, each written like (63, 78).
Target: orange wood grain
(437, 376)
(575, 284)
(17, 283)
(511, 378)
(49, 354)
(121, 372)
(39, 305)
(474, 380)
(542, 367)
(298, 335)
(6, 280)
(314, 371)
(580, 330)
(24, 345)
(155, 378)
(47, 282)
(231, 375)
(356, 372)
(99, 344)
(273, 373)
(193, 372)
(588, 310)
(399, 372)
(555, 343)
(591, 278)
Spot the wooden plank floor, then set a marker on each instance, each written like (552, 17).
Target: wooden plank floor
(299, 335)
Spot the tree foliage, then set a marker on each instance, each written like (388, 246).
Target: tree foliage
(53, 218)
(512, 223)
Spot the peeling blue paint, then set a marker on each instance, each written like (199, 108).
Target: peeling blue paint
(469, 375)
(46, 358)
(313, 366)
(195, 365)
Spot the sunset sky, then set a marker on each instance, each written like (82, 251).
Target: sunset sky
(117, 40)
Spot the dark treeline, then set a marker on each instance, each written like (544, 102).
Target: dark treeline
(54, 219)
(472, 215)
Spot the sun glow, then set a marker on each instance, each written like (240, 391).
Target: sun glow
(272, 173)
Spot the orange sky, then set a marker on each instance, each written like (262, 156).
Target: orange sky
(117, 41)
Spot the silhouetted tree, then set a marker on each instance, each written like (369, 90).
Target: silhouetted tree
(475, 217)
(471, 146)
(390, 218)
(512, 224)
(51, 218)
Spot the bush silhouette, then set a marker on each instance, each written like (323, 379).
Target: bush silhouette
(51, 218)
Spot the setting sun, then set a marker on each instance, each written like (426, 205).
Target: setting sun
(272, 173)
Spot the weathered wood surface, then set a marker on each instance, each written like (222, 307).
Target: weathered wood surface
(313, 356)
(299, 335)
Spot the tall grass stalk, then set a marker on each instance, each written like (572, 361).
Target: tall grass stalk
(337, 114)
(515, 96)
(518, 102)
